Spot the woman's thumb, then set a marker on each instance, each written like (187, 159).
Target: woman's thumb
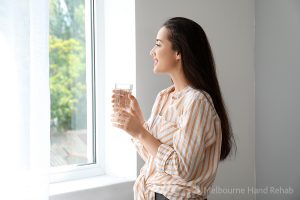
(131, 97)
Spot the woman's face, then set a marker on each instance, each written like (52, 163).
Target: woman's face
(165, 58)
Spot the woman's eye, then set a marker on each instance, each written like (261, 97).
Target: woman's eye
(157, 45)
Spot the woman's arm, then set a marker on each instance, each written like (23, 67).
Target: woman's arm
(186, 156)
(149, 141)
(133, 123)
(138, 145)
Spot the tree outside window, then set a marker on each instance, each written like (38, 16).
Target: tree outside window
(68, 82)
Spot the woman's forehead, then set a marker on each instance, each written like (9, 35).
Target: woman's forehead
(162, 34)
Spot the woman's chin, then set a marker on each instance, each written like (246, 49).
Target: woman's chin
(156, 70)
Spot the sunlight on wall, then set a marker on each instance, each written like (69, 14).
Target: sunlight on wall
(9, 117)
(10, 121)
(120, 67)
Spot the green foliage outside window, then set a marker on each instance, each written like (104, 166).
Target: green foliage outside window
(67, 62)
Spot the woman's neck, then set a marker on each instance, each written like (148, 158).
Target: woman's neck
(180, 82)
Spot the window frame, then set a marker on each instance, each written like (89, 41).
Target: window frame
(96, 112)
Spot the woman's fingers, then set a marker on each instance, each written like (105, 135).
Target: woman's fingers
(116, 91)
(121, 126)
(118, 95)
(120, 92)
(124, 118)
(121, 113)
(131, 97)
(118, 109)
(120, 118)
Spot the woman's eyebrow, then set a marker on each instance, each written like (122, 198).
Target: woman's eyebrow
(158, 40)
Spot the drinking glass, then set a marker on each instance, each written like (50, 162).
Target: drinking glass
(122, 91)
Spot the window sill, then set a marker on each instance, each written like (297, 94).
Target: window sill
(56, 189)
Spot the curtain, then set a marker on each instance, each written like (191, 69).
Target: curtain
(24, 100)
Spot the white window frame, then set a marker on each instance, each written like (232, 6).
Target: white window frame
(95, 112)
(116, 155)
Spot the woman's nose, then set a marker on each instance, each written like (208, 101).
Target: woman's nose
(152, 52)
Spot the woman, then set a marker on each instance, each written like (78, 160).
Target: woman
(188, 132)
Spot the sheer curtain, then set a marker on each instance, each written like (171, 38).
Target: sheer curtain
(24, 100)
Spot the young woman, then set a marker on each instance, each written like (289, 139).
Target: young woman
(188, 132)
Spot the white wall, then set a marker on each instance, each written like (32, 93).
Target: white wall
(277, 69)
(229, 26)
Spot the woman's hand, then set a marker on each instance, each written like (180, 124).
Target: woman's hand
(135, 108)
(130, 120)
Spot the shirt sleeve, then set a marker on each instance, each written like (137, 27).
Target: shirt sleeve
(188, 151)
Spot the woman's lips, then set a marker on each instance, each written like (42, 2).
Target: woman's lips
(155, 61)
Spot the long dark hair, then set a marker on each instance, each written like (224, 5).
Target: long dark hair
(189, 39)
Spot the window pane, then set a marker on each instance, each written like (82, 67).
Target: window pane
(71, 140)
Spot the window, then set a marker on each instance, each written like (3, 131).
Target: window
(72, 88)
(86, 145)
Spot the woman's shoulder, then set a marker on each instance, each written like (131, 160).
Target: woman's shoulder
(166, 90)
(189, 94)
(195, 95)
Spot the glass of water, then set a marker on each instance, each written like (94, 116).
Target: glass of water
(122, 92)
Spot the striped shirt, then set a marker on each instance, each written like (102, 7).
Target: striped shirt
(186, 162)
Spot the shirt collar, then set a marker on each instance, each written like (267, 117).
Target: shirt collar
(175, 95)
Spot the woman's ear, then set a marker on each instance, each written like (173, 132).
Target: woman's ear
(178, 55)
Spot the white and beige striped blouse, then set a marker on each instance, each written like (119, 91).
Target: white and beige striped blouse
(186, 163)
